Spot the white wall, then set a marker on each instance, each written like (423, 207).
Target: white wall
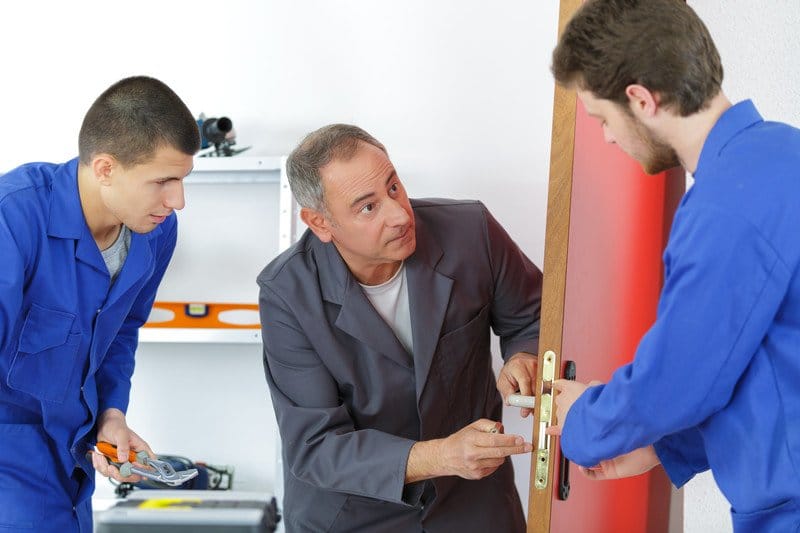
(459, 91)
(759, 48)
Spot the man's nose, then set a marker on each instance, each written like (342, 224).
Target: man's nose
(174, 198)
(398, 216)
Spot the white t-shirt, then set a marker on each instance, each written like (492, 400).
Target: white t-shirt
(390, 300)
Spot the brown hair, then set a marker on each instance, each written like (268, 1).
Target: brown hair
(133, 118)
(660, 44)
(320, 147)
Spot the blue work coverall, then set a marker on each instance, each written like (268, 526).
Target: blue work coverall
(715, 382)
(67, 342)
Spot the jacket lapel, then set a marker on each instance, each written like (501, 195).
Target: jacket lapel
(359, 319)
(136, 271)
(87, 252)
(356, 317)
(137, 268)
(429, 296)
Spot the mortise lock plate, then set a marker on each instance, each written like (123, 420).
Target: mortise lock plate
(543, 454)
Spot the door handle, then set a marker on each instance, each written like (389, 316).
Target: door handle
(563, 470)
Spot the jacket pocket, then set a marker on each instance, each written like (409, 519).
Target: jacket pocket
(23, 487)
(783, 517)
(461, 367)
(46, 354)
(456, 345)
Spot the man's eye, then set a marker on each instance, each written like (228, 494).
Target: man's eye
(368, 208)
(394, 188)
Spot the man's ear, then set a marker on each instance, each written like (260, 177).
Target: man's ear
(317, 222)
(643, 102)
(102, 165)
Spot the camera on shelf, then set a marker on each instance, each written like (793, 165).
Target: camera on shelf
(217, 137)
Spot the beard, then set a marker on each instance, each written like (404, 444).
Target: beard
(658, 155)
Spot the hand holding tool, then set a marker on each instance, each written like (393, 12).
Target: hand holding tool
(150, 468)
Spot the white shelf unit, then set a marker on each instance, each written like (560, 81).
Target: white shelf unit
(231, 171)
(252, 169)
(200, 335)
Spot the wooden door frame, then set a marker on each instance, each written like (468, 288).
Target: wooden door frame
(559, 197)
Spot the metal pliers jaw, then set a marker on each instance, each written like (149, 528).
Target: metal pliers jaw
(161, 470)
(154, 469)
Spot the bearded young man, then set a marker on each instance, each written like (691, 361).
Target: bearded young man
(714, 382)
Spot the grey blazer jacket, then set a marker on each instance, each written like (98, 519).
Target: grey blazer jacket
(351, 401)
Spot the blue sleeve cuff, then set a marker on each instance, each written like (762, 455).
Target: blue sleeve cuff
(682, 455)
(116, 400)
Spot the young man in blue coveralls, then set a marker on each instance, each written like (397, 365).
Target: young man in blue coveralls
(84, 246)
(715, 383)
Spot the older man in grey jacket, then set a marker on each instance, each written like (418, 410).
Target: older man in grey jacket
(376, 329)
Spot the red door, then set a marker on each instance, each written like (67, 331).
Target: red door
(619, 223)
(607, 225)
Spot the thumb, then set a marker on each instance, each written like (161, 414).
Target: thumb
(123, 447)
(558, 384)
(122, 453)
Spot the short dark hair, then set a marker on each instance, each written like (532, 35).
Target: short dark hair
(660, 44)
(317, 149)
(133, 118)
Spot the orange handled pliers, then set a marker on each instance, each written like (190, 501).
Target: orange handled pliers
(151, 468)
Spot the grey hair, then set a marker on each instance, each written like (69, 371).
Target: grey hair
(317, 149)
